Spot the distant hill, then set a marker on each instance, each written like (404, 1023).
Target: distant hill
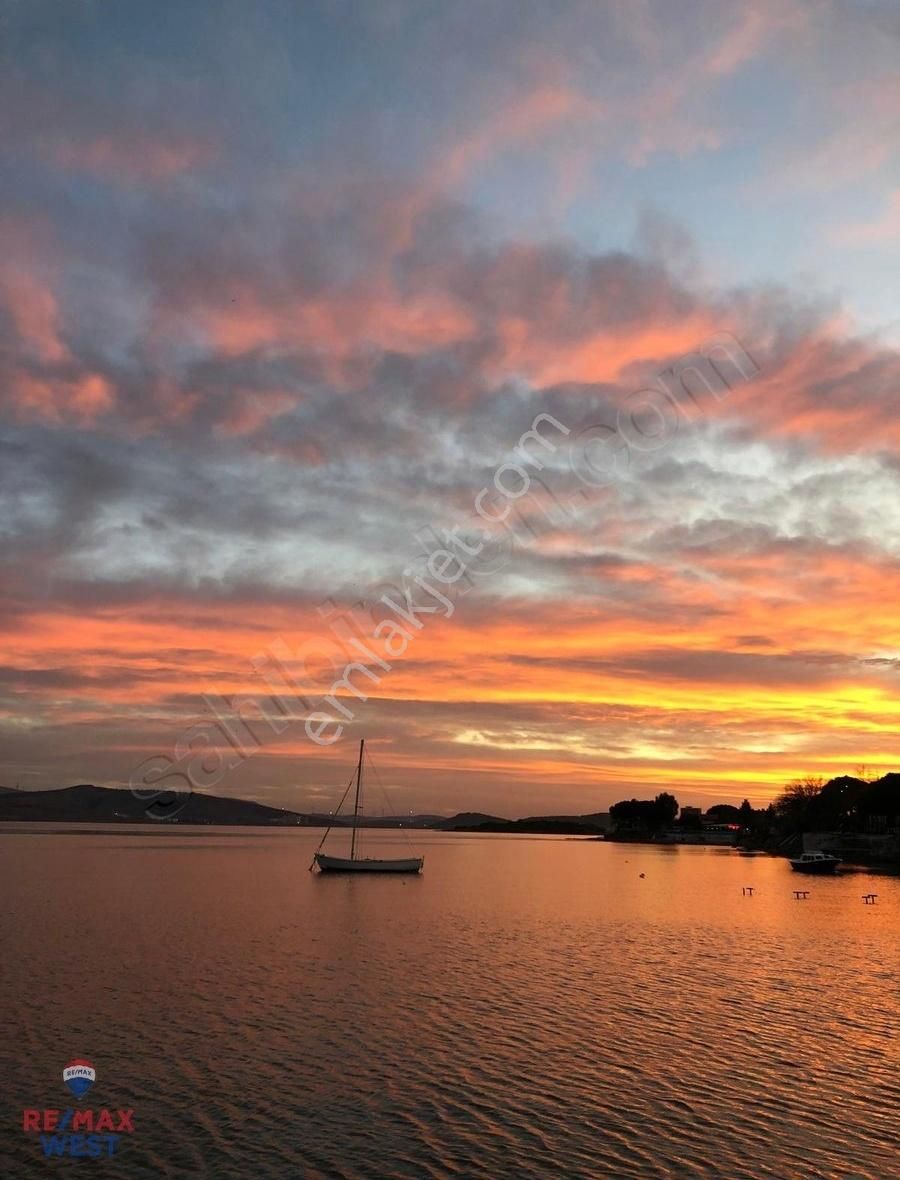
(466, 820)
(545, 825)
(326, 819)
(111, 805)
(476, 821)
(107, 805)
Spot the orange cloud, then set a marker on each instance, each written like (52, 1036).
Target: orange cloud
(55, 400)
(771, 676)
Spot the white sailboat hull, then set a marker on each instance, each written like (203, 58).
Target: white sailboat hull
(345, 864)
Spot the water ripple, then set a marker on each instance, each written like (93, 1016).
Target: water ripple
(527, 1009)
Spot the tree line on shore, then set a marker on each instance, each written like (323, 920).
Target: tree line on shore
(849, 803)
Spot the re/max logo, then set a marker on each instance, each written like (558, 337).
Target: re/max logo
(80, 1120)
(79, 1132)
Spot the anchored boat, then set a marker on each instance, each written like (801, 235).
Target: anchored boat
(816, 862)
(362, 864)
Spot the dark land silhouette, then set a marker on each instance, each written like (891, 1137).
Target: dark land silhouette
(86, 803)
(863, 815)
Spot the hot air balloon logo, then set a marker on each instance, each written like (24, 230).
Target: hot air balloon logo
(79, 1075)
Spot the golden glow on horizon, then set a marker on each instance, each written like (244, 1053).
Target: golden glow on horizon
(557, 685)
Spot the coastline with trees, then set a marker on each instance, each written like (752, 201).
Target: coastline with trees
(856, 816)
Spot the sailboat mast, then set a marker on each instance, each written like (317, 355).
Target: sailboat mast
(362, 743)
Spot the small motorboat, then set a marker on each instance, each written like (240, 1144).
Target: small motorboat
(816, 862)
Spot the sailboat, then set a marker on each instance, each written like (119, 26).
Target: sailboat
(362, 864)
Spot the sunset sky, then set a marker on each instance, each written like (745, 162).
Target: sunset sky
(283, 284)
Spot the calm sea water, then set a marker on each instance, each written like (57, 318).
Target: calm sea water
(526, 1008)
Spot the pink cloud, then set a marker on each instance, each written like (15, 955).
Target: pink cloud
(57, 400)
(135, 159)
(884, 228)
(825, 388)
(27, 278)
